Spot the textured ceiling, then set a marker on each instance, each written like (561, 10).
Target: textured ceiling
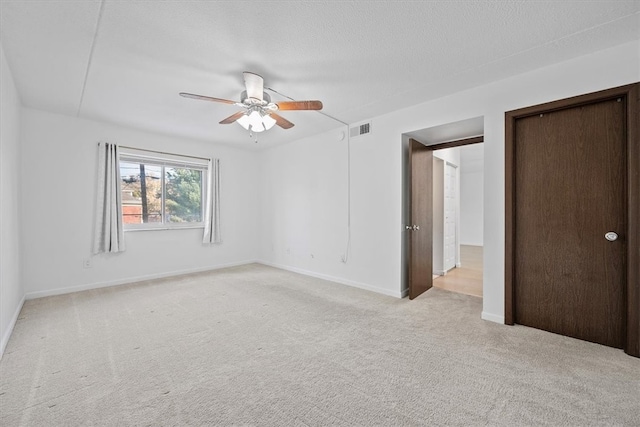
(124, 62)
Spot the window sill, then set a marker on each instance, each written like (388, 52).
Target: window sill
(186, 227)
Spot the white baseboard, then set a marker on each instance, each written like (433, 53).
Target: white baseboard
(458, 264)
(360, 285)
(492, 317)
(129, 280)
(440, 272)
(12, 324)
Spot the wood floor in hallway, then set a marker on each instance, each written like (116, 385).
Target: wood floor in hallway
(466, 279)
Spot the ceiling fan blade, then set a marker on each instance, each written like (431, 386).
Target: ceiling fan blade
(232, 118)
(254, 84)
(206, 98)
(281, 121)
(299, 105)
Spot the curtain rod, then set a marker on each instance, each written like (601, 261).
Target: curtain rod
(164, 152)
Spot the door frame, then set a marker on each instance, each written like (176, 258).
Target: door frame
(630, 95)
(429, 219)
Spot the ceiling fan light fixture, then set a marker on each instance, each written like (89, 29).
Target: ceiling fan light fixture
(256, 122)
(268, 121)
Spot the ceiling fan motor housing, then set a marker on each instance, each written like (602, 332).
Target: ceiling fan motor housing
(266, 99)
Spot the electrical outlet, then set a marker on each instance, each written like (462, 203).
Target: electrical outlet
(86, 263)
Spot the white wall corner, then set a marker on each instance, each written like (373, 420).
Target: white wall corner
(360, 285)
(12, 324)
(492, 317)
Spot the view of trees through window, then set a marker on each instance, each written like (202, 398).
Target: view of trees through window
(153, 193)
(183, 195)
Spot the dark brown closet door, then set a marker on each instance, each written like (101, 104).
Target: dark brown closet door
(570, 187)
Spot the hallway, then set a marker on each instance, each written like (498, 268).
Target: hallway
(466, 279)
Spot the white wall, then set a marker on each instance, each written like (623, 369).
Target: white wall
(304, 182)
(59, 155)
(304, 195)
(11, 289)
(471, 194)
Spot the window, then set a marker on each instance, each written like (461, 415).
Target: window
(161, 192)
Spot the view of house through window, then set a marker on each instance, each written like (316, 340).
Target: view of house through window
(160, 194)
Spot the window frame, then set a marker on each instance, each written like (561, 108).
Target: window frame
(168, 161)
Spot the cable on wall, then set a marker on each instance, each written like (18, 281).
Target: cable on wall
(345, 256)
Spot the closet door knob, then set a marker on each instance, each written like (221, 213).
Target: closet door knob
(611, 236)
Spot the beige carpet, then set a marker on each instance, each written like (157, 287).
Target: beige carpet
(255, 345)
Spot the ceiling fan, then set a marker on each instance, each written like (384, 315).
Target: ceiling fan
(258, 112)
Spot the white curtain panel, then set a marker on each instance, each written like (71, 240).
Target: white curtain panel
(108, 233)
(212, 208)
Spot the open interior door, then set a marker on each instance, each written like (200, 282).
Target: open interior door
(420, 230)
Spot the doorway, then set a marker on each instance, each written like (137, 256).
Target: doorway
(418, 200)
(458, 219)
(572, 200)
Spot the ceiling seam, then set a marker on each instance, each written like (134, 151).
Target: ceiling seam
(90, 60)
